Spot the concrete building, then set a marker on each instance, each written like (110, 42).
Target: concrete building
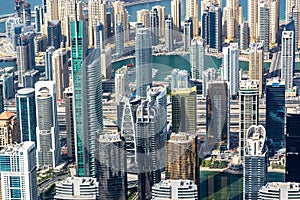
(54, 33)
(47, 133)
(197, 58)
(244, 36)
(191, 10)
(69, 117)
(287, 58)
(231, 67)
(176, 14)
(18, 180)
(49, 63)
(121, 15)
(180, 79)
(169, 33)
(187, 33)
(106, 67)
(121, 83)
(143, 16)
(279, 191)
(256, 162)
(256, 61)
(154, 26)
(77, 188)
(9, 129)
(208, 75)
(274, 22)
(253, 19)
(263, 27)
(174, 189)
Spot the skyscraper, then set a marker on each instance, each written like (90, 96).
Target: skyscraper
(263, 28)
(96, 15)
(148, 148)
(23, 11)
(39, 18)
(9, 129)
(60, 59)
(231, 67)
(244, 36)
(253, 19)
(119, 37)
(249, 107)
(176, 14)
(180, 79)
(121, 83)
(54, 33)
(121, 15)
(161, 19)
(184, 110)
(87, 87)
(187, 33)
(208, 75)
(99, 36)
(48, 147)
(275, 111)
(274, 22)
(169, 33)
(287, 58)
(212, 27)
(143, 16)
(181, 157)
(26, 111)
(279, 191)
(256, 162)
(217, 114)
(111, 166)
(292, 146)
(143, 52)
(154, 26)
(1, 98)
(52, 10)
(18, 180)
(49, 63)
(256, 61)
(197, 58)
(192, 11)
(68, 96)
(231, 17)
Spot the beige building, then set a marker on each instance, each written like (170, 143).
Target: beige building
(60, 71)
(256, 60)
(96, 15)
(274, 21)
(192, 11)
(9, 129)
(253, 19)
(161, 19)
(143, 16)
(232, 19)
(120, 14)
(176, 14)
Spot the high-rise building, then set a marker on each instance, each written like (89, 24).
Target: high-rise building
(87, 107)
(40, 43)
(25, 56)
(23, 11)
(253, 19)
(99, 36)
(10, 23)
(54, 33)
(184, 110)
(231, 67)
(9, 129)
(244, 36)
(287, 58)
(39, 18)
(60, 59)
(68, 96)
(249, 107)
(77, 188)
(52, 10)
(180, 79)
(280, 191)
(18, 180)
(263, 26)
(256, 162)
(121, 15)
(111, 166)
(49, 63)
(96, 15)
(169, 33)
(122, 83)
(148, 135)
(256, 61)
(197, 58)
(292, 147)
(176, 14)
(292, 14)
(181, 157)
(187, 33)
(212, 27)
(1, 98)
(217, 114)
(231, 19)
(274, 22)
(143, 16)
(48, 151)
(119, 37)
(106, 66)
(8, 85)
(192, 11)
(26, 111)
(160, 10)
(143, 52)
(154, 26)
(208, 75)
(275, 111)
(174, 189)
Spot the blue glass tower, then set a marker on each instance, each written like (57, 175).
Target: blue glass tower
(25, 101)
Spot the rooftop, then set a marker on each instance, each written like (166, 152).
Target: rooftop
(6, 115)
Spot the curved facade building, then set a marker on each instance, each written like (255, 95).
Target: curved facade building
(279, 191)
